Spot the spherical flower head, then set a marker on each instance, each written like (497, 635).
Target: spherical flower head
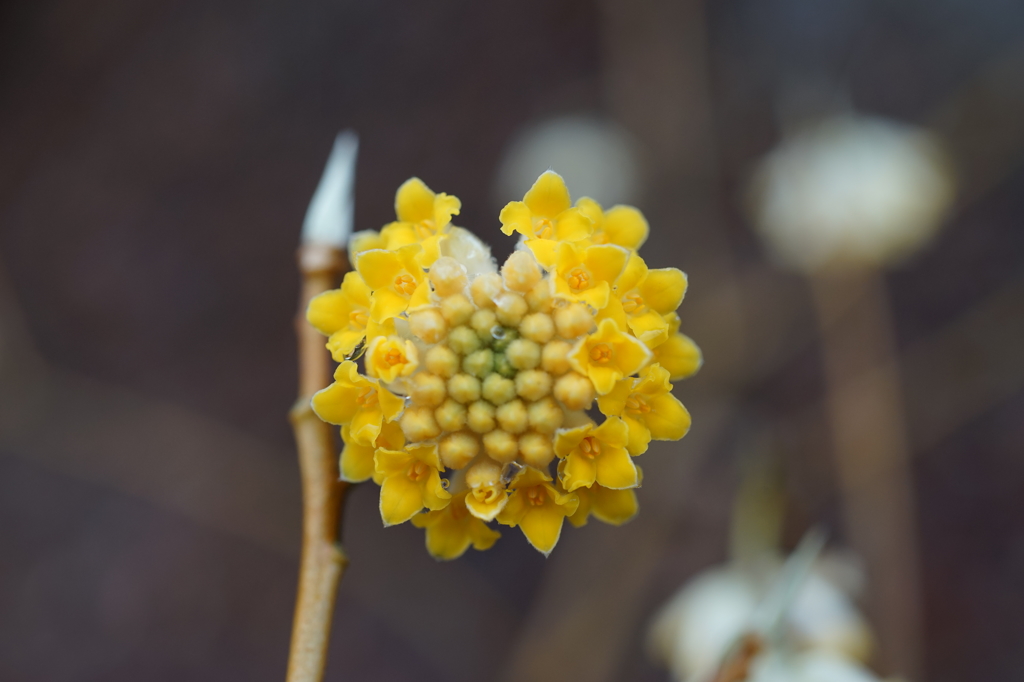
(851, 190)
(477, 377)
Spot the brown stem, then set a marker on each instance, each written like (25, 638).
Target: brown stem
(323, 560)
(872, 455)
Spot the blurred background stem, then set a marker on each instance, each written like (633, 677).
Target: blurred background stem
(869, 441)
(323, 560)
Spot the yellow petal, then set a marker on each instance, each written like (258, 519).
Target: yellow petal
(545, 251)
(387, 304)
(603, 378)
(365, 425)
(484, 510)
(573, 225)
(420, 297)
(613, 311)
(639, 436)
(679, 355)
(631, 355)
(567, 440)
(356, 464)
(400, 500)
(514, 510)
(596, 296)
(613, 403)
(389, 463)
(336, 404)
(414, 201)
(614, 507)
(579, 517)
(391, 405)
(445, 206)
(591, 209)
(668, 419)
(632, 274)
(431, 250)
(612, 432)
(542, 526)
(605, 261)
(650, 327)
(549, 196)
(615, 469)
(515, 217)
(329, 311)
(391, 436)
(342, 343)
(364, 240)
(664, 288)
(433, 494)
(378, 267)
(398, 234)
(578, 472)
(625, 226)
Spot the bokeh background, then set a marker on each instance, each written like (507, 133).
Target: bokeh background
(156, 160)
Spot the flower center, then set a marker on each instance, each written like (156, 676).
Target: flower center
(367, 398)
(599, 238)
(424, 228)
(535, 496)
(418, 471)
(590, 447)
(544, 229)
(633, 303)
(578, 279)
(636, 403)
(459, 511)
(358, 319)
(486, 494)
(405, 284)
(394, 357)
(600, 353)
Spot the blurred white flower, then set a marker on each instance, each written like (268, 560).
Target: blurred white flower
(851, 189)
(821, 637)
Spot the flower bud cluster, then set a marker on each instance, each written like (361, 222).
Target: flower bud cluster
(476, 380)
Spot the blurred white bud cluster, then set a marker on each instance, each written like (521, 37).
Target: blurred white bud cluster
(817, 636)
(853, 190)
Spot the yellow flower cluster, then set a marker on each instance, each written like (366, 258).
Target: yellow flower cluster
(476, 379)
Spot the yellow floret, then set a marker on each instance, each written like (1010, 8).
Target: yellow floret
(464, 388)
(536, 449)
(501, 446)
(523, 354)
(510, 308)
(482, 322)
(458, 449)
(485, 288)
(448, 276)
(442, 361)
(427, 389)
(478, 363)
(457, 309)
(539, 297)
(521, 271)
(512, 416)
(533, 384)
(463, 340)
(451, 416)
(575, 391)
(497, 389)
(537, 327)
(428, 324)
(480, 416)
(573, 320)
(418, 424)
(555, 357)
(545, 415)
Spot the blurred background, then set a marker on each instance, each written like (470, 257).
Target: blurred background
(157, 160)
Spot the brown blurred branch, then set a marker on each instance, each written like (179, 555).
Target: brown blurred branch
(872, 455)
(323, 560)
